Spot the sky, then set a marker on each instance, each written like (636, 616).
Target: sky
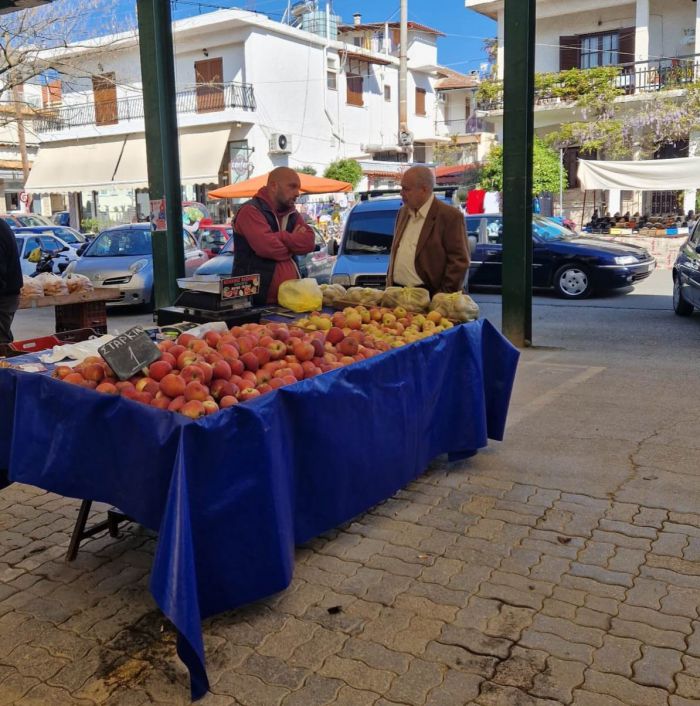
(461, 50)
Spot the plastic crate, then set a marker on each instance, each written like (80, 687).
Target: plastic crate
(76, 335)
(91, 315)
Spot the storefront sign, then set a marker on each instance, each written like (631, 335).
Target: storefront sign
(130, 352)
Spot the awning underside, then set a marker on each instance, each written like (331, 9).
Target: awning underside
(644, 175)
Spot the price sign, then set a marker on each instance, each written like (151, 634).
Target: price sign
(130, 352)
(241, 286)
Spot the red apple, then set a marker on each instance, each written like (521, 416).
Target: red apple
(212, 338)
(195, 390)
(159, 370)
(237, 366)
(228, 401)
(184, 338)
(250, 360)
(303, 350)
(210, 406)
(107, 388)
(221, 370)
(221, 388)
(172, 385)
(278, 350)
(177, 404)
(186, 358)
(248, 393)
(194, 409)
(192, 372)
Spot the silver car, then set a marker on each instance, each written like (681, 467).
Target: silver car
(121, 257)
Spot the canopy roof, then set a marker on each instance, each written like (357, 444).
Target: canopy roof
(644, 175)
(309, 185)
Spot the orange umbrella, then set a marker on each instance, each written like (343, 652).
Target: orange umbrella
(309, 185)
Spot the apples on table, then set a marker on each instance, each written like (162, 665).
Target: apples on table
(199, 376)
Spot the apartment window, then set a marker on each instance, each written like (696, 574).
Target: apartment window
(587, 51)
(209, 77)
(332, 80)
(354, 89)
(104, 90)
(420, 101)
(387, 92)
(51, 93)
(357, 41)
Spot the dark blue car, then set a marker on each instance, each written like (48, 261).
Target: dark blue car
(686, 276)
(572, 265)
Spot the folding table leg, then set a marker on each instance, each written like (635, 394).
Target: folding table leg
(78, 530)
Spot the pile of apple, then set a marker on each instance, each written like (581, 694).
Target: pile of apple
(198, 376)
(395, 327)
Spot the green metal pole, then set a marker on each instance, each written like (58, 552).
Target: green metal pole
(518, 97)
(160, 117)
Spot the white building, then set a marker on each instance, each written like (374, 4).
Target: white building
(252, 94)
(655, 42)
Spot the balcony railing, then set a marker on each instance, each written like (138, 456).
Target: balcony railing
(633, 79)
(202, 99)
(461, 126)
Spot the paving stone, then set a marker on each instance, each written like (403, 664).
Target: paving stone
(458, 657)
(602, 575)
(520, 668)
(457, 689)
(598, 553)
(357, 674)
(283, 642)
(42, 694)
(273, 670)
(464, 550)
(692, 551)
(568, 630)
(386, 626)
(589, 698)
(475, 641)
(622, 540)
(570, 595)
(395, 566)
(347, 696)
(334, 565)
(314, 576)
(550, 569)
(469, 578)
(485, 528)
(628, 529)
(627, 560)
(680, 701)
(596, 588)
(251, 691)
(408, 554)
(442, 570)
(413, 686)
(651, 517)
(688, 687)
(317, 691)
(14, 687)
(387, 588)
(655, 618)
(658, 667)
(647, 634)
(670, 544)
(500, 695)
(439, 594)
(312, 653)
(623, 689)
(692, 530)
(559, 609)
(670, 576)
(693, 646)
(557, 646)
(510, 622)
(558, 680)
(681, 601)
(426, 608)
(417, 636)
(375, 655)
(622, 512)
(647, 593)
(33, 661)
(439, 541)
(592, 619)
(680, 566)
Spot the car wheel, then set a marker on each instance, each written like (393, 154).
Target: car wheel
(680, 305)
(572, 282)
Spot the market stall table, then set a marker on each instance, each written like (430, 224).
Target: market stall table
(77, 310)
(231, 494)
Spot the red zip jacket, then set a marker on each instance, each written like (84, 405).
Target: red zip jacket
(275, 245)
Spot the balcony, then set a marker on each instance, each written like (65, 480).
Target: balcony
(208, 98)
(631, 79)
(460, 126)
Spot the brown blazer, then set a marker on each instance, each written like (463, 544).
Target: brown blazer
(442, 256)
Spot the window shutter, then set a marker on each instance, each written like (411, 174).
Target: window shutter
(104, 89)
(354, 89)
(420, 101)
(569, 53)
(626, 44)
(210, 90)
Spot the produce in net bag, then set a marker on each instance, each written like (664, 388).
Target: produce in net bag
(456, 306)
(31, 288)
(332, 292)
(390, 297)
(300, 295)
(53, 285)
(78, 283)
(364, 295)
(414, 299)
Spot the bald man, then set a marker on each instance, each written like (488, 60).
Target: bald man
(430, 243)
(268, 232)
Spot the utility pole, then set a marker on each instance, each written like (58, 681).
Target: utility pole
(405, 137)
(21, 135)
(518, 119)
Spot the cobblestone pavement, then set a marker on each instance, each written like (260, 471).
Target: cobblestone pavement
(560, 567)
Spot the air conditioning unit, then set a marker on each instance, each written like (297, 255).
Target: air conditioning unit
(280, 144)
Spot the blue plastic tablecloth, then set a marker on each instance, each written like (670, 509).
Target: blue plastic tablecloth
(231, 494)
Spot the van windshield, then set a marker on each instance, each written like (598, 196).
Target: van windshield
(370, 233)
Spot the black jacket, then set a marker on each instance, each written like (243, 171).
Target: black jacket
(10, 270)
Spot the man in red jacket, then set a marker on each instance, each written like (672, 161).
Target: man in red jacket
(268, 232)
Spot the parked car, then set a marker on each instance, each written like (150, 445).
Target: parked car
(61, 218)
(122, 257)
(572, 265)
(27, 242)
(317, 264)
(22, 220)
(686, 276)
(77, 241)
(212, 238)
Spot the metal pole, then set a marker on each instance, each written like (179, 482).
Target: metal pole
(561, 182)
(162, 153)
(403, 71)
(519, 41)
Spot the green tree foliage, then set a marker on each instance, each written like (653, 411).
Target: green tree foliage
(344, 170)
(546, 169)
(308, 169)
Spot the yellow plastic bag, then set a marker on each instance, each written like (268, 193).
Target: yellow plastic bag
(300, 295)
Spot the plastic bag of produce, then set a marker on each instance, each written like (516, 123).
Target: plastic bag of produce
(53, 285)
(390, 297)
(456, 306)
(31, 288)
(332, 292)
(78, 283)
(414, 299)
(364, 295)
(300, 295)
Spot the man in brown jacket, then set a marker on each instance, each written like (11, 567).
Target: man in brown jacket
(430, 244)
